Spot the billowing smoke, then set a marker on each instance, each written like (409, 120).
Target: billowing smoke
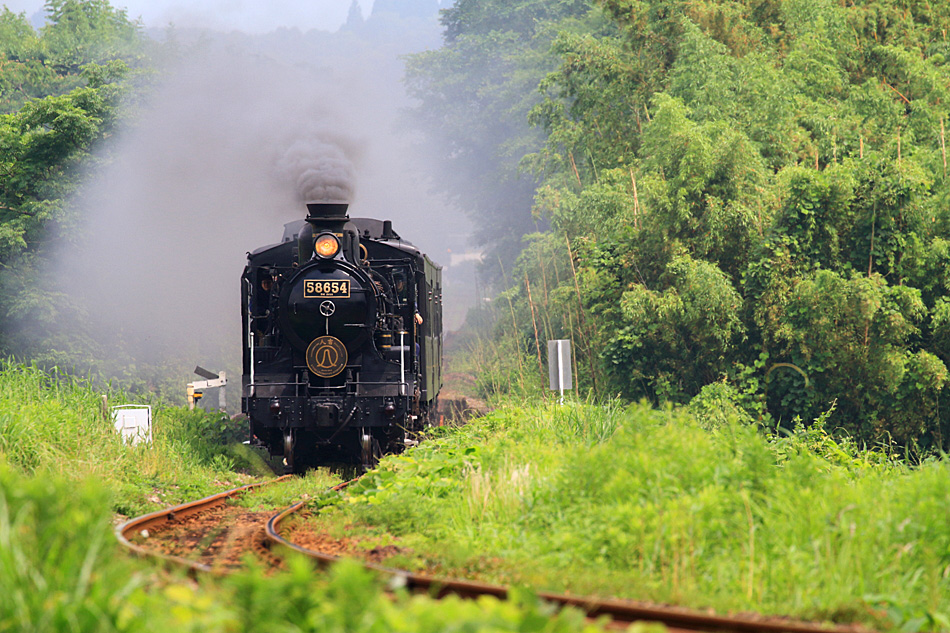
(319, 169)
(223, 152)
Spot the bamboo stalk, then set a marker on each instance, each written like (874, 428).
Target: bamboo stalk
(546, 317)
(534, 321)
(906, 100)
(861, 146)
(583, 319)
(544, 279)
(514, 324)
(593, 165)
(570, 322)
(898, 147)
(636, 202)
(574, 168)
(943, 147)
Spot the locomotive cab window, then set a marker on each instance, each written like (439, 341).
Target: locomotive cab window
(263, 291)
(400, 287)
(262, 305)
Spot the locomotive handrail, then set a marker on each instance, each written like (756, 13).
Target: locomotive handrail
(403, 388)
(250, 342)
(374, 382)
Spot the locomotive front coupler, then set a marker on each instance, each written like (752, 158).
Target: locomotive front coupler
(329, 440)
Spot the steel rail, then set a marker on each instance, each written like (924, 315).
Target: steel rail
(620, 612)
(157, 520)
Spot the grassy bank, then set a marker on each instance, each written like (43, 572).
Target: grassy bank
(56, 425)
(60, 571)
(64, 474)
(652, 505)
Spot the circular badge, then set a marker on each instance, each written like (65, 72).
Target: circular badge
(326, 356)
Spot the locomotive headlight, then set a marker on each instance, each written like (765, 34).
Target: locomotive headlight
(326, 245)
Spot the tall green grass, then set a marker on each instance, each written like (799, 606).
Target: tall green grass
(54, 541)
(60, 572)
(53, 424)
(649, 504)
(63, 472)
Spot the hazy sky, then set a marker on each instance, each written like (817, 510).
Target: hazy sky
(251, 16)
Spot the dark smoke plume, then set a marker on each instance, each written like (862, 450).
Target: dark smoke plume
(319, 170)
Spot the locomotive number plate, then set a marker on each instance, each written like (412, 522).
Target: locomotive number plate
(320, 289)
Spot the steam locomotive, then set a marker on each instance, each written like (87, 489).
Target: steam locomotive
(342, 338)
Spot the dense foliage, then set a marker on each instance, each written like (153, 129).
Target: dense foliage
(747, 192)
(60, 92)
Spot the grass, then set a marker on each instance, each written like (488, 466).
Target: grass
(60, 572)
(64, 474)
(650, 504)
(54, 425)
(615, 500)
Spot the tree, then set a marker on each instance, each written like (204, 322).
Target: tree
(755, 192)
(474, 95)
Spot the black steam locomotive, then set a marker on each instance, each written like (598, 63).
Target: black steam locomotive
(342, 340)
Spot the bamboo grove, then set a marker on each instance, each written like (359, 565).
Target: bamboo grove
(735, 204)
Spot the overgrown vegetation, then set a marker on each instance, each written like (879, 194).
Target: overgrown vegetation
(659, 505)
(63, 474)
(741, 192)
(55, 425)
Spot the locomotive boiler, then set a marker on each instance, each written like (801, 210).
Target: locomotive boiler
(342, 338)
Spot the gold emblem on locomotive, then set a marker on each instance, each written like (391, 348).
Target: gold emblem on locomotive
(326, 356)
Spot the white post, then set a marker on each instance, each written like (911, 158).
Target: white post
(560, 371)
(559, 366)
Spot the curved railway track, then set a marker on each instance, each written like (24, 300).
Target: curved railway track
(621, 613)
(138, 534)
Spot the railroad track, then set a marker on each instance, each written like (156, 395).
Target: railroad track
(196, 525)
(134, 534)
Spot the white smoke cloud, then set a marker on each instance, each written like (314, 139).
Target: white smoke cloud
(228, 146)
(213, 167)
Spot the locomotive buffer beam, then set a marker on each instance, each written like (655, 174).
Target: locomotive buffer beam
(339, 430)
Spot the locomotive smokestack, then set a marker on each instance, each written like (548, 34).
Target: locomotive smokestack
(388, 230)
(328, 217)
(327, 210)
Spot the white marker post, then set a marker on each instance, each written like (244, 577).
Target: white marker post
(559, 366)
